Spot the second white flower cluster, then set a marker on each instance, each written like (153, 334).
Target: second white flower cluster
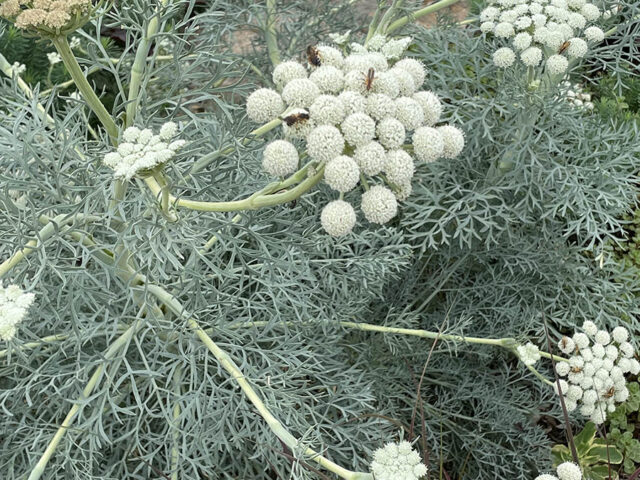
(14, 303)
(353, 115)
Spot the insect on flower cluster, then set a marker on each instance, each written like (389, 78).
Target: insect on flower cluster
(355, 116)
(542, 31)
(14, 303)
(595, 372)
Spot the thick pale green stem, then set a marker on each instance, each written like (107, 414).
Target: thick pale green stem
(42, 341)
(118, 344)
(175, 436)
(271, 34)
(165, 195)
(230, 366)
(62, 46)
(434, 7)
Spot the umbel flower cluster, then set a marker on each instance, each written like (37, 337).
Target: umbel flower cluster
(14, 303)
(397, 461)
(576, 96)
(542, 31)
(595, 372)
(143, 151)
(357, 116)
(565, 471)
(48, 15)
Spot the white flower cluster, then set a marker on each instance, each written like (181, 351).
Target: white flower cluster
(141, 150)
(14, 303)
(363, 114)
(397, 461)
(529, 354)
(596, 371)
(565, 471)
(550, 30)
(576, 96)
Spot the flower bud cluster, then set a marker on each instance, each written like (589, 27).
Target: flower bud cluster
(565, 471)
(49, 16)
(360, 115)
(576, 96)
(595, 371)
(549, 31)
(142, 151)
(397, 461)
(14, 303)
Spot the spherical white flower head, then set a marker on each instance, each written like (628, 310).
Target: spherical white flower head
(358, 129)
(287, 71)
(357, 62)
(409, 113)
(627, 349)
(380, 106)
(562, 369)
(280, 158)
(574, 393)
(590, 12)
(576, 4)
(394, 49)
(622, 395)
(428, 144)
(264, 105)
(431, 106)
(539, 20)
(330, 56)
(489, 14)
(386, 83)
(131, 134)
(487, 27)
(529, 354)
(342, 173)
(590, 328)
(531, 57)
(414, 68)
(406, 84)
(577, 48)
(300, 126)
(391, 133)
(522, 41)
(338, 218)
(453, 139)
(575, 20)
(503, 57)
(378, 62)
(569, 471)
(376, 42)
(620, 334)
(399, 167)
(602, 337)
(546, 476)
(328, 79)
(581, 340)
(300, 92)
(562, 388)
(379, 204)
(397, 462)
(370, 158)
(355, 81)
(594, 34)
(566, 345)
(325, 143)
(635, 367)
(327, 110)
(523, 22)
(557, 64)
(403, 191)
(535, 8)
(352, 101)
(504, 30)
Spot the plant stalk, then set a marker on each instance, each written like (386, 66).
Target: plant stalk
(434, 7)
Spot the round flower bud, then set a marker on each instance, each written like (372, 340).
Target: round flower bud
(566, 345)
(489, 13)
(569, 471)
(624, 364)
(504, 30)
(431, 106)
(168, 131)
(330, 56)
(557, 64)
(399, 167)
(562, 368)
(264, 105)
(574, 393)
(594, 34)
(607, 364)
(627, 349)
(522, 41)
(598, 351)
(300, 126)
(390, 133)
(487, 27)
(590, 397)
(379, 204)
(357, 63)
(403, 191)
(287, 71)
(570, 405)
(577, 48)
(428, 144)
(300, 92)
(131, 134)
(590, 12)
(409, 113)
(358, 129)
(386, 83)
(620, 334)
(523, 22)
(377, 61)
(602, 337)
(531, 57)
(328, 79)
(353, 102)
(355, 81)
(406, 83)
(453, 139)
(325, 143)
(338, 218)
(586, 383)
(575, 20)
(414, 68)
(327, 110)
(611, 352)
(621, 395)
(503, 57)
(581, 340)
(587, 410)
(635, 366)
(280, 158)
(539, 20)
(564, 386)
(112, 159)
(590, 328)
(508, 16)
(370, 158)
(380, 106)
(342, 173)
